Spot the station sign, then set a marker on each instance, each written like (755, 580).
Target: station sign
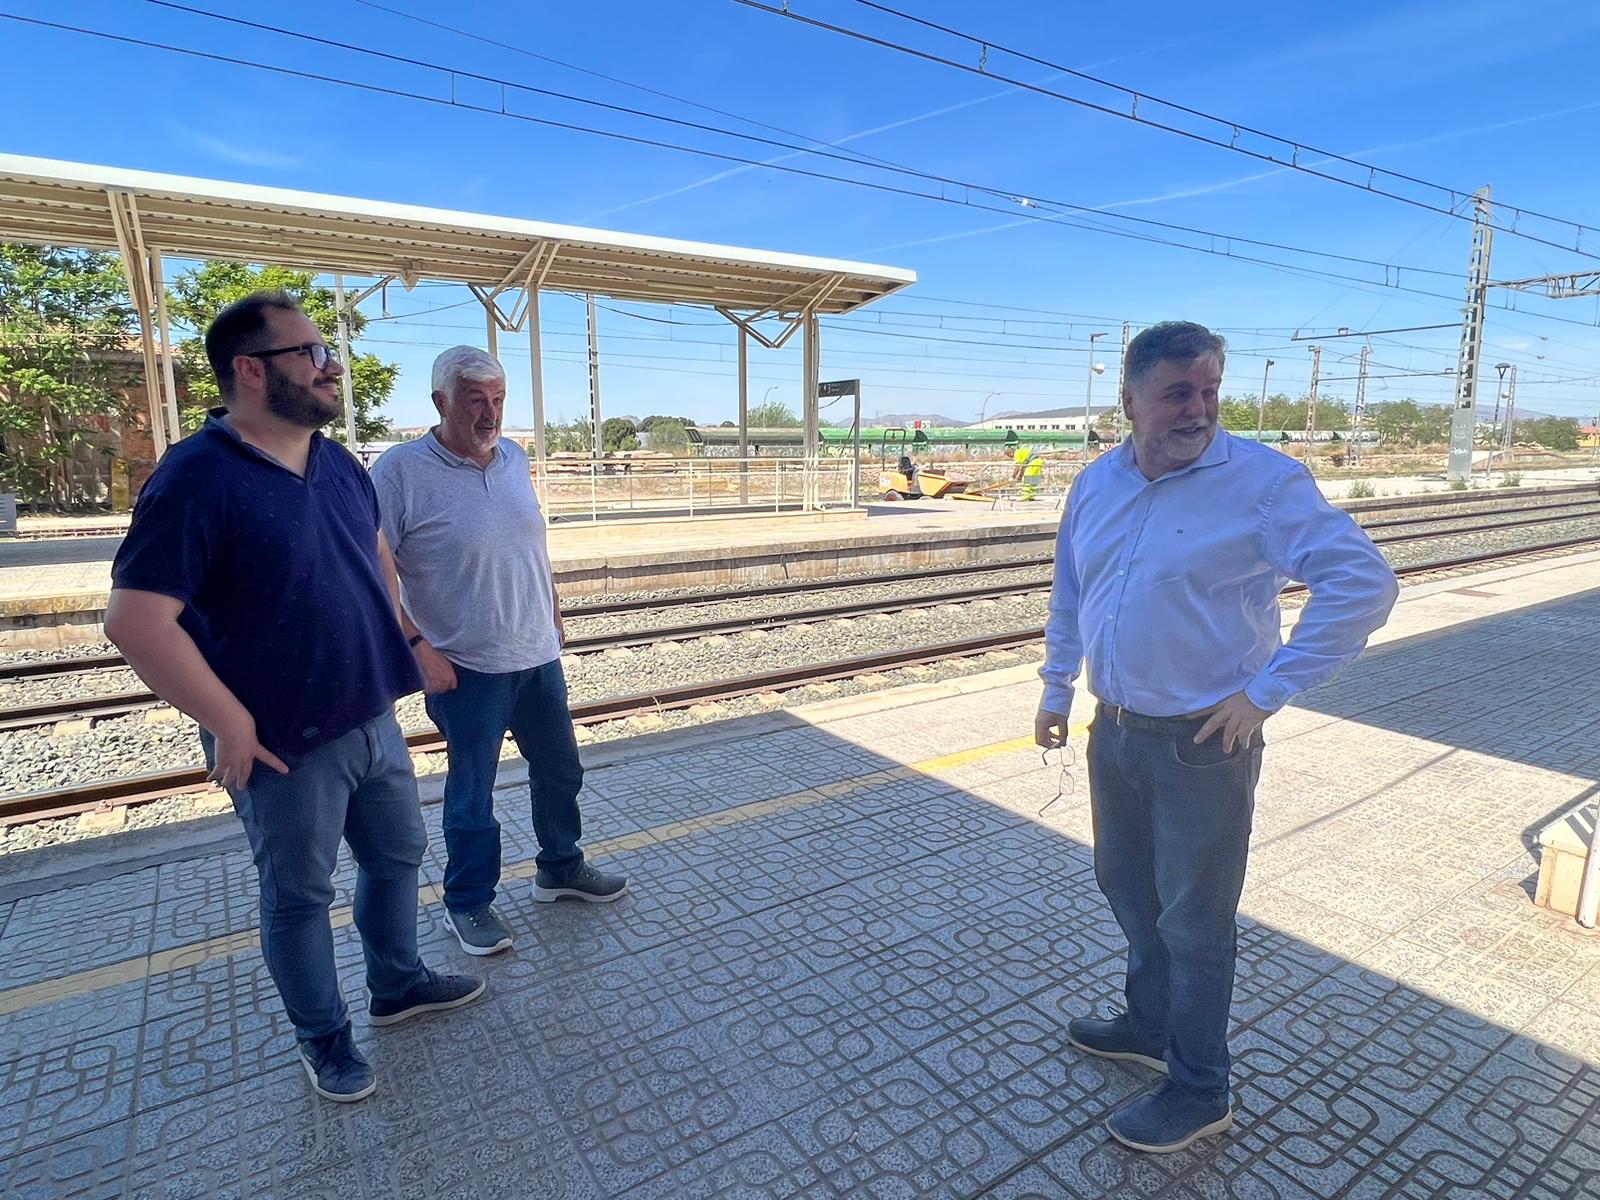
(839, 387)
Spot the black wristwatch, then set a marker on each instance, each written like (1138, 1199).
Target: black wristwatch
(413, 640)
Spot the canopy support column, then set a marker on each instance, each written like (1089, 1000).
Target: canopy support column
(536, 379)
(810, 372)
(346, 384)
(136, 270)
(158, 284)
(744, 416)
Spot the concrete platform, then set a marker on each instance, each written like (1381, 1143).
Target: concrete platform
(54, 592)
(850, 951)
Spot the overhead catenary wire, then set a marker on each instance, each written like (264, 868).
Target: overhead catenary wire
(1219, 243)
(1454, 195)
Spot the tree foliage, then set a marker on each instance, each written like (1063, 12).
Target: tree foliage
(569, 437)
(618, 433)
(1553, 433)
(1240, 413)
(668, 433)
(773, 414)
(646, 425)
(65, 325)
(196, 297)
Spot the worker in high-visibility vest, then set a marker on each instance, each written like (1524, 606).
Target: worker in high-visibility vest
(1029, 469)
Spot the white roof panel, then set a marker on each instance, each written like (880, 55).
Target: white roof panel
(63, 203)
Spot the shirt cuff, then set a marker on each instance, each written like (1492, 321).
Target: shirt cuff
(1267, 692)
(1056, 700)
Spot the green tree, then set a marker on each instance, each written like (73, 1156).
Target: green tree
(618, 433)
(1553, 433)
(649, 422)
(65, 324)
(571, 437)
(667, 433)
(196, 297)
(774, 414)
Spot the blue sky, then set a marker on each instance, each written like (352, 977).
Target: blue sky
(1456, 93)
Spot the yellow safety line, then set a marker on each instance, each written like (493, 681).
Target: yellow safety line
(180, 958)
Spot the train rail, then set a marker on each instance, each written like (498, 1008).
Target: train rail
(160, 785)
(1553, 513)
(78, 708)
(152, 786)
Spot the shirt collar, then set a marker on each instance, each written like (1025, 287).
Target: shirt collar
(217, 424)
(1217, 451)
(431, 440)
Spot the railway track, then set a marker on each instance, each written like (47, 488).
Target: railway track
(1550, 513)
(144, 788)
(1387, 532)
(159, 785)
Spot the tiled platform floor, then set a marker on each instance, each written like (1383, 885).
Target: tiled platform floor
(849, 954)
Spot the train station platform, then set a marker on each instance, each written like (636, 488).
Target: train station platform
(855, 934)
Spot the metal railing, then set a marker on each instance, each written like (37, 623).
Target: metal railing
(691, 486)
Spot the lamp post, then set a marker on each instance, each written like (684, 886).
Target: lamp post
(1261, 412)
(984, 407)
(1499, 395)
(1088, 393)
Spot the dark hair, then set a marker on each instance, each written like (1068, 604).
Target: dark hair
(238, 329)
(1174, 341)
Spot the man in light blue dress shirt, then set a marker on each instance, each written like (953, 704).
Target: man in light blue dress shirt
(1168, 566)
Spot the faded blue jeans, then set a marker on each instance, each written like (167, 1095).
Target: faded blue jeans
(359, 787)
(474, 718)
(1171, 837)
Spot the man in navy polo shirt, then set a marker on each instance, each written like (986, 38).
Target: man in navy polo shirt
(248, 593)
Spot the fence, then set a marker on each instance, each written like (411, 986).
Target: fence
(691, 486)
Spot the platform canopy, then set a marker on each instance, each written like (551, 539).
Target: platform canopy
(146, 216)
(62, 203)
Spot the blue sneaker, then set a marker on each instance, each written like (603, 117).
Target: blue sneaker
(435, 993)
(1114, 1039)
(1169, 1119)
(336, 1068)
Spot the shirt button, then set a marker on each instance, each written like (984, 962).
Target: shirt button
(1121, 572)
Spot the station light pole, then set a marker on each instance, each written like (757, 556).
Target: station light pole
(1088, 392)
(1499, 394)
(1261, 410)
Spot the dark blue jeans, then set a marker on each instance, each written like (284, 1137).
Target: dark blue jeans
(474, 719)
(359, 787)
(1171, 836)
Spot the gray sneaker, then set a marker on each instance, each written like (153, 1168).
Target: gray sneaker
(436, 993)
(481, 932)
(336, 1068)
(586, 883)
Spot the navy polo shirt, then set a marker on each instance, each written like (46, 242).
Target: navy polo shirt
(280, 582)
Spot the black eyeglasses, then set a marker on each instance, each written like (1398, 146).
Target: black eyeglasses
(319, 354)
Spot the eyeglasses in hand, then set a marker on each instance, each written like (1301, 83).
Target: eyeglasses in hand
(1066, 777)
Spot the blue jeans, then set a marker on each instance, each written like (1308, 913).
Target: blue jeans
(474, 718)
(360, 787)
(1171, 836)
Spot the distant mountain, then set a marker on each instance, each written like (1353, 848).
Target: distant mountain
(929, 420)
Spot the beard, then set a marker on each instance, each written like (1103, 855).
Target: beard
(297, 403)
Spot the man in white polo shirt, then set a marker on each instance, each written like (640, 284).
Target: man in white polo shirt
(481, 614)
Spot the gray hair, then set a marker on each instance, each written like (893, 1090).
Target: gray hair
(465, 362)
(1170, 341)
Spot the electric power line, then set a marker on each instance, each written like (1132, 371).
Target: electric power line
(1455, 195)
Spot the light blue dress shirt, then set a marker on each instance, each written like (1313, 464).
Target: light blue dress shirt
(1168, 588)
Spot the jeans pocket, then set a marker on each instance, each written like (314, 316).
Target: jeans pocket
(1207, 754)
